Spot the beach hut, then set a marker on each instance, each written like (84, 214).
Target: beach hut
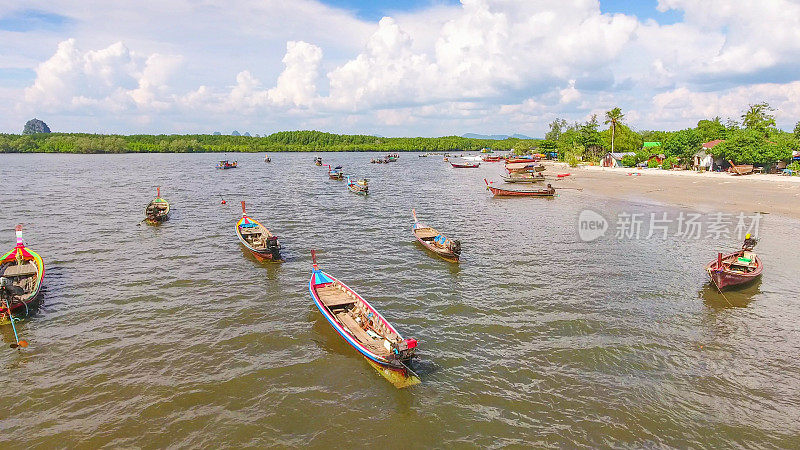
(702, 161)
(614, 159)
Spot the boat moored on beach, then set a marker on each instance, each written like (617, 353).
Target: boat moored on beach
(360, 324)
(505, 192)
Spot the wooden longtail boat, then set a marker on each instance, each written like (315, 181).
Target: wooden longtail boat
(500, 192)
(335, 173)
(21, 275)
(435, 242)
(392, 157)
(225, 164)
(734, 269)
(531, 159)
(257, 238)
(488, 158)
(360, 187)
(743, 169)
(157, 211)
(524, 167)
(465, 165)
(524, 177)
(358, 323)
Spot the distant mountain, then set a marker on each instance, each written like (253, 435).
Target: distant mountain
(496, 137)
(246, 133)
(235, 133)
(217, 133)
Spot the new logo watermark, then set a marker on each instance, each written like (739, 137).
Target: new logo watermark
(592, 225)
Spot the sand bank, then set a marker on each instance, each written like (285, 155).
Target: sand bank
(704, 192)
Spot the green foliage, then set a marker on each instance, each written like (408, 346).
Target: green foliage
(629, 161)
(669, 163)
(571, 159)
(749, 146)
(654, 136)
(614, 117)
(548, 145)
(653, 163)
(590, 139)
(797, 131)
(556, 128)
(758, 117)
(626, 140)
(276, 142)
(683, 144)
(794, 167)
(710, 130)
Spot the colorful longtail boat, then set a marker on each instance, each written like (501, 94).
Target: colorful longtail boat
(258, 239)
(360, 187)
(157, 211)
(361, 325)
(21, 275)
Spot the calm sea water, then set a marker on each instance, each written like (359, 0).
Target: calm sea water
(172, 336)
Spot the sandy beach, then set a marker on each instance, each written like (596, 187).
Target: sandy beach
(704, 192)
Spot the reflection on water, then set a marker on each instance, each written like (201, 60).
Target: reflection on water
(731, 296)
(173, 336)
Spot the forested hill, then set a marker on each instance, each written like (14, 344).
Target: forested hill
(276, 142)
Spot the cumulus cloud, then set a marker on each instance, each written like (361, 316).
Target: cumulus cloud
(486, 63)
(112, 78)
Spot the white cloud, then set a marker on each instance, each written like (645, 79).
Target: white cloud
(487, 63)
(297, 84)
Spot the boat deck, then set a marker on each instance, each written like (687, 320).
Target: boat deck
(372, 344)
(332, 295)
(426, 233)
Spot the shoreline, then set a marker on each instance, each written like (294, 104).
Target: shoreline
(772, 194)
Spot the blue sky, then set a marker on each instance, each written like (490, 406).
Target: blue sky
(430, 68)
(375, 9)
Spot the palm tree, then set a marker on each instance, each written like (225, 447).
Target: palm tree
(614, 117)
(758, 117)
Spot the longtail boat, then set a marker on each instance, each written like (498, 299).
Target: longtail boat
(524, 167)
(335, 173)
(225, 164)
(157, 211)
(435, 242)
(21, 275)
(392, 157)
(742, 169)
(465, 165)
(735, 268)
(267, 158)
(490, 158)
(501, 192)
(360, 324)
(523, 159)
(360, 187)
(257, 238)
(524, 177)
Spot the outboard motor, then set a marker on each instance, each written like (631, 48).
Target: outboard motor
(455, 247)
(274, 247)
(404, 349)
